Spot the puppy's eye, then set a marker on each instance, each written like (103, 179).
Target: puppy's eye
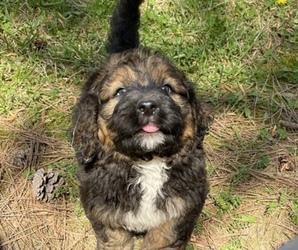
(167, 88)
(120, 92)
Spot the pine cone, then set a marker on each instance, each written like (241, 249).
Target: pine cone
(19, 157)
(44, 184)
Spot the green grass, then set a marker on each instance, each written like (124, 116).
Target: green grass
(233, 244)
(242, 56)
(243, 45)
(226, 202)
(294, 212)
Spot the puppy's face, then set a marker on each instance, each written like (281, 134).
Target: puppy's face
(147, 107)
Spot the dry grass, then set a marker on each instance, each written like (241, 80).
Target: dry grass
(25, 222)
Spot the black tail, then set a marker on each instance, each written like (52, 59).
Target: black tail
(125, 23)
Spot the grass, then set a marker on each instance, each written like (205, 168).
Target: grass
(243, 57)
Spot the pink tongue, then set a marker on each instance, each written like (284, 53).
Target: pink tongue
(150, 128)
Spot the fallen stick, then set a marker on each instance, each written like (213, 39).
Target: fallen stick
(287, 124)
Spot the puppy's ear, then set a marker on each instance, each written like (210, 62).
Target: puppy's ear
(204, 120)
(85, 129)
(202, 113)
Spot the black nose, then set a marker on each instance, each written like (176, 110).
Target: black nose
(147, 107)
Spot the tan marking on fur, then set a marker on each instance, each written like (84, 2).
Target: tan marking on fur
(162, 72)
(176, 207)
(121, 157)
(118, 239)
(189, 131)
(190, 128)
(120, 77)
(188, 136)
(109, 89)
(176, 84)
(106, 217)
(156, 67)
(115, 60)
(179, 101)
(104, 134)
(125, 74)
(161, 237)
(108, 109)
(128, 58)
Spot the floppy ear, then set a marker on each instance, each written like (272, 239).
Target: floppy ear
(201, 112)
(85, 129)
(203, 122)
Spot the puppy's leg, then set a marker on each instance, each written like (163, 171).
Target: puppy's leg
(113, 239)
(172, 235)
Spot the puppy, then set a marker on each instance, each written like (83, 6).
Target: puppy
(138, 129)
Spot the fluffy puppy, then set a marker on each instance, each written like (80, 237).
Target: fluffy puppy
(137, 131)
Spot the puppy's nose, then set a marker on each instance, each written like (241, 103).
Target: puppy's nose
(147, 107)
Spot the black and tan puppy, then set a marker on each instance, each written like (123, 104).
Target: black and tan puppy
(137, 132)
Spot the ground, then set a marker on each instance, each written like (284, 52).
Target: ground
(243, 57)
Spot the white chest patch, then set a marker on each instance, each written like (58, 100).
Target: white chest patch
(151, 179)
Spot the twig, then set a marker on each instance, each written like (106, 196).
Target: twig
(288, 124)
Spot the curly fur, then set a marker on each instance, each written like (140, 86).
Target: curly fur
(138, 130)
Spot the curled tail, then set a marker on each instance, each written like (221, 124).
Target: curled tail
(125, 23)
